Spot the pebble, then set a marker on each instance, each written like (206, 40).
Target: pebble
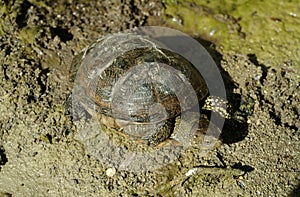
(110, 172)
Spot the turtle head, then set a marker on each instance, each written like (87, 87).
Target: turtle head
(218, 105)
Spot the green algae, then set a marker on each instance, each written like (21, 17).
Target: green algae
(269, 29)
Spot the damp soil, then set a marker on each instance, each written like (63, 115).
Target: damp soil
(257, 53)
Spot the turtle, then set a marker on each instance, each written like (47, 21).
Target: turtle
(138, 88)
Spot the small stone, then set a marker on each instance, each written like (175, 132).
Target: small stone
(110, 172)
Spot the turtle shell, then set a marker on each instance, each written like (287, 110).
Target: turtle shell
(136, 86)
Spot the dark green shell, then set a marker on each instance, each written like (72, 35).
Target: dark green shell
(98, 83)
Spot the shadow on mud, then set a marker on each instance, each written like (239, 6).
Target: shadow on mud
(236, 128)
(296, 191)
(3, 158)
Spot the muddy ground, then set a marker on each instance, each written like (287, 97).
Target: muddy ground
(39, 153)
